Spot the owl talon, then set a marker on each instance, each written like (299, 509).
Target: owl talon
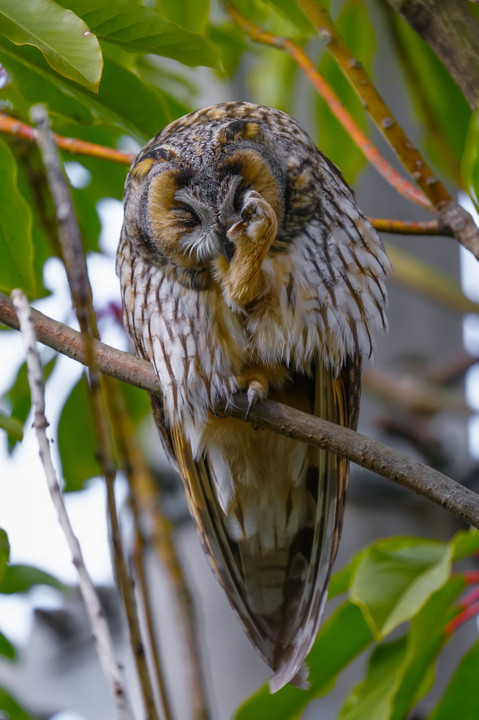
(256, 392)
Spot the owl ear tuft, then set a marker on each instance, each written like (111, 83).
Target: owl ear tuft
(240, 130)
(159, 154)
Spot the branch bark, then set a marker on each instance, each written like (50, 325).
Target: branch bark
(360, 449)
(452, 30)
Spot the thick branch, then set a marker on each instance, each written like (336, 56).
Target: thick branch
(391, 464)
(452, 30)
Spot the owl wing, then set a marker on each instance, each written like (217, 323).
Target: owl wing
(284, 637)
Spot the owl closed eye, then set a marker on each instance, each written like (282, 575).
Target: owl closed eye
(245, 264)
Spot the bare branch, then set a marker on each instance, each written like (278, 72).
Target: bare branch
(391, 464)
(98, 624)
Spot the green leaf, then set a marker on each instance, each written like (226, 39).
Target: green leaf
(373, 697)
(76, 439)
(396, 577)
(434, 92)
(139, 29)
(16, 247)
(343, 636)
(426, 639)
(465, 543)
(12, 425)
(461, 698)
(66, 42)
(295, 15)
(7, 649)
(341, 581)
(21, 578)
(190, 15)
(4, 552)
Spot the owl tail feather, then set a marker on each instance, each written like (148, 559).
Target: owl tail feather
(300, 680)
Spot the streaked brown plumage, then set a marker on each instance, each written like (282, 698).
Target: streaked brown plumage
(245, 264)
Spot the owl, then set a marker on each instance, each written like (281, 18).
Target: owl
(246, 265)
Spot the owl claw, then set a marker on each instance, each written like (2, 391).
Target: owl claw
(256, 391)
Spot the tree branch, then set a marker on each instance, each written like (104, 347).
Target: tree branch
(452, 30)
(391, 464)
(14, 127)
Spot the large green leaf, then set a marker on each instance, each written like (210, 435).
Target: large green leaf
(16, 247)
(139, 29)
(21, 578)
(470, 159)
(461, 698)
(67, 43)
(4, 552)
(343, 636)
(76, 439)
(396, 577)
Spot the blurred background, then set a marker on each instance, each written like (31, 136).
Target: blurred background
(421, 391)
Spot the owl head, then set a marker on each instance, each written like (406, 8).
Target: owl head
(202, 180)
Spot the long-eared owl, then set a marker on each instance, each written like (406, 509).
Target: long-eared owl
(245, 264)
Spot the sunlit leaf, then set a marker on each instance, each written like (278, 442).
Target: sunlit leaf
(16, 247)
(396, 577)
(343, 636)
(139, 29)
(190, 15)
(68, 45)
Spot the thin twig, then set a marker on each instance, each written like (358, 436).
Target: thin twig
(98, 623)
(451, 215)
(407, 227)
(391, 464)
(77, 274)
(370, 152)
(15, 127)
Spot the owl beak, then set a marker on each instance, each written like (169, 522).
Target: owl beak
(227, 248)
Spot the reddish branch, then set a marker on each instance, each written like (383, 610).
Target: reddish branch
(12, 126)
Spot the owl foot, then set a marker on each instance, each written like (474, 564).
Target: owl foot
(256, 391)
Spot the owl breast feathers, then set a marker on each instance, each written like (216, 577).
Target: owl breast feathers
(245, 264)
